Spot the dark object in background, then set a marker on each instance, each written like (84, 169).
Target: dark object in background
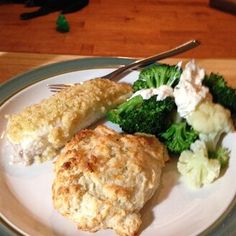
(224, 5)
(48, 6)
(62, 24)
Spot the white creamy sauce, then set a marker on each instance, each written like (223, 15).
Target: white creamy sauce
(162, 92)
(189, 92)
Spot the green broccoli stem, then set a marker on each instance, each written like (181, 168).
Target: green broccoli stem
(130, 104)
(150, 82)
(177, 129)
(174, 75)
(181, 130)
(162, 79)
(115, 115)
(221, 154)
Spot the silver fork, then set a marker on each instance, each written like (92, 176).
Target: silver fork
(123, 70)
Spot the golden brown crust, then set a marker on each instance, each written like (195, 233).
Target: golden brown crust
(103, 179)
(69, 107)
(57, 118)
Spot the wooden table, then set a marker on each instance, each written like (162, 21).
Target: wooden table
(12, 64)
(122, 28)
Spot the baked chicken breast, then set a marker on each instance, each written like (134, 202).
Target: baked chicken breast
(103, 179)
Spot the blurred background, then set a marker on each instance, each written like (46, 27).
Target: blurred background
(130, 28)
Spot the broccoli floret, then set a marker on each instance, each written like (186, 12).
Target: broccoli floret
(221, 92)
(178, 137)
(62, 24)
(146, 116)
(221, 154)
(156, 75)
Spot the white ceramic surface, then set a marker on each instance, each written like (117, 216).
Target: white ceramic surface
(25, 192)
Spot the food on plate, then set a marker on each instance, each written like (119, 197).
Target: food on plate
(195, 165)
(103, 178)
(147, 116)
(190, 92)
(221, 154)
(179, 137)
(156, 75)
(179, 107)
(201, 165)
(211, 121)
(39, 131)
(222, 93)
(150, 107)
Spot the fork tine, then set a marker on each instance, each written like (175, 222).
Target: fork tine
(55, 90)
(59, 85)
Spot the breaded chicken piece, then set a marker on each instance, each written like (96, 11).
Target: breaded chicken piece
(39, 131)
(103, 179)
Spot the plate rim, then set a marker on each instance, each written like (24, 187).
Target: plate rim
(37, 74)
(224, 225)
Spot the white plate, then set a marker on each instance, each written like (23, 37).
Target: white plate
(25, 192)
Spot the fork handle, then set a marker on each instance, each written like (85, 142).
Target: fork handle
(149, 60)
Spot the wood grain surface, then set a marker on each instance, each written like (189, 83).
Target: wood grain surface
(12, 64)
(134, 28)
